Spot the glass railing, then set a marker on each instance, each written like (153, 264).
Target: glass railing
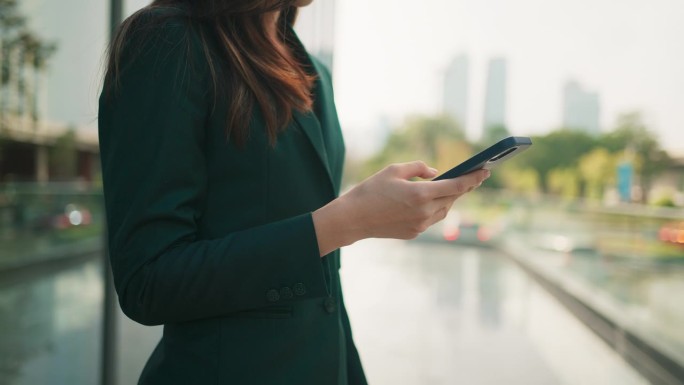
(41, 222)
(626, 262)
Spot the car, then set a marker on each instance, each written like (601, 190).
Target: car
(71, 215)
(568, 242)
(672, 233)
(457, 227)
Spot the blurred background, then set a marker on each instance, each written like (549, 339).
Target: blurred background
(566, 267)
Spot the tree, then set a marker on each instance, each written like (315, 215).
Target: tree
(597, 169)
(35, 55)
(522, 180)
(631, 135)
(564, 182)
(493, 134)
(419, 138)
(556, 150)
(20, 48)
(64, 155)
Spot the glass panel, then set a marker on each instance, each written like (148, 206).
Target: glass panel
(50, 205)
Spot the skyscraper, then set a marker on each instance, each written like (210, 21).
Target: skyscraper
(495, 98)
(580, 108)
(455, 103)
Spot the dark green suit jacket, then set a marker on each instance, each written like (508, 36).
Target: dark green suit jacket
(217, 242)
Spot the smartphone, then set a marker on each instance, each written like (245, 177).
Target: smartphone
(490, 157)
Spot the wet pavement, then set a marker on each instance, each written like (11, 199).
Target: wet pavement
(422, 313)
(639, 297)
(440, 314)
(50, 328)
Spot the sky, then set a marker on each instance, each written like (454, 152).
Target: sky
(390, 56)
(72, 79)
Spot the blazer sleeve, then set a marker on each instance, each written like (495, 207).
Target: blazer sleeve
(154, 176)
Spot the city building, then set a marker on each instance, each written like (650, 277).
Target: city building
(455, 103)
(495, 98)
(580, 108)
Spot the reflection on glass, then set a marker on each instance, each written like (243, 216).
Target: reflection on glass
(499, 327)
(50, 328)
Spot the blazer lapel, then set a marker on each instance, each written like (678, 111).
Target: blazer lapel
(309, 123)
(312, 128)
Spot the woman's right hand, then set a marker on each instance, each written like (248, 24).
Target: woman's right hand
(389, 205)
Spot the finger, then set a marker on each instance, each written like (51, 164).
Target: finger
(439, 216)
(442, 207)
(456, 186)
(440, 203)
(413, 169)
(443, 201)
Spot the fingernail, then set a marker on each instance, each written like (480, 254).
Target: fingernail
(434, 170)
(487, 174)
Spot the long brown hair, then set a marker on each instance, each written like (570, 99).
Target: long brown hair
(262, 72)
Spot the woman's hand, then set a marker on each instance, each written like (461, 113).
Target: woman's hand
(389, 205)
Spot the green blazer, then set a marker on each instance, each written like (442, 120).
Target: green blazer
(216, 242)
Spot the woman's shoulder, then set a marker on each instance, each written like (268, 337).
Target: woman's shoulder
(157, 37)
(156, 45)
(151, 26)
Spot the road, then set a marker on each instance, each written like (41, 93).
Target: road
(422, 313)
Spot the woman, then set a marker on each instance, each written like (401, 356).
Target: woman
(222, 159)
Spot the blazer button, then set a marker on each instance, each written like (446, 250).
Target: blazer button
(286, 293)
(299, 289)
(330, 305)
(272, 295)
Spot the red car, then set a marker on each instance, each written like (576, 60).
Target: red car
(457, 229)
(672, 233)
(71, 215)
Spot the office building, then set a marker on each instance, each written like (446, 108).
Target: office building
(580, 108)
(495, 97)
(455, 103)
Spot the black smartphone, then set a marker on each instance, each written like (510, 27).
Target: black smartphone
(490, 157)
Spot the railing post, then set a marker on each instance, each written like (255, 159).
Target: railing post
(109, 315)
(115, 16)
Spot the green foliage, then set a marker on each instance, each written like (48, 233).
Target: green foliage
(64, 156)
(597, 168)
(632, 136)
(20, 48)
(419, 138)
(569, 163)
(556, 150)
(10, 18)
(493, 134)
(665, 201)
(564, 182)
(521, 180)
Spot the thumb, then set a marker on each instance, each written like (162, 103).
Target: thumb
(414, 169)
